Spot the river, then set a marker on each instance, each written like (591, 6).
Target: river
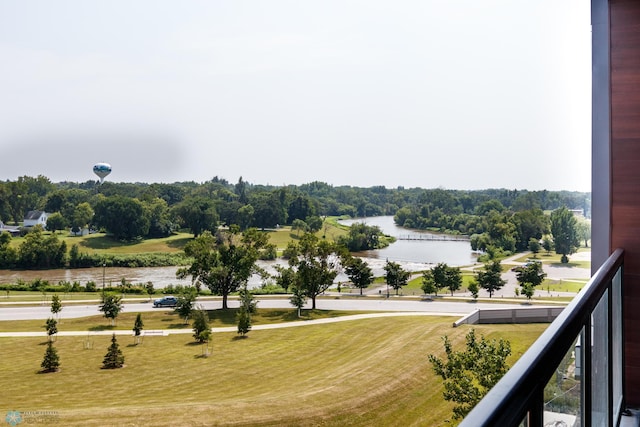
(413, 255)
(424, 248)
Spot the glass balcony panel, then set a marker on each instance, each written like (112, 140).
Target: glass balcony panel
(600, 362)
(563, 392)
(616, 342)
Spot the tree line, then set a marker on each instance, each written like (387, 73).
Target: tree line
(133, 210)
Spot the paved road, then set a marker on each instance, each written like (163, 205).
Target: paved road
(367, 304)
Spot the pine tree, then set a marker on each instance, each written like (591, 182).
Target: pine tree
(51, 361)
(137, 327)
(114, 358)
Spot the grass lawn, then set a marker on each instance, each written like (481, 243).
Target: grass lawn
(163, 319)
(554, 259)
(358, 373)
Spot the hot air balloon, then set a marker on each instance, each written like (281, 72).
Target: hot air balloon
(102, 170)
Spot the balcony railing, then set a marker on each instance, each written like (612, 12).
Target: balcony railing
(572, 375)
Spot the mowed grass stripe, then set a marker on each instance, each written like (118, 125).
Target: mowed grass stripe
(361, 372)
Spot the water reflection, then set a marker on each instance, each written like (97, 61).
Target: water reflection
(409, 252)
(413, 255)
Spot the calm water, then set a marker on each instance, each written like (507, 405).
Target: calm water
(454, 253)
(413, 255)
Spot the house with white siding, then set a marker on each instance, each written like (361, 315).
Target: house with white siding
(36, 217)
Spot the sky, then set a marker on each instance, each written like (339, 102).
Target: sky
(462, 94)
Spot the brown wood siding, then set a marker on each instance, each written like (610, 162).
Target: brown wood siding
(625, 172)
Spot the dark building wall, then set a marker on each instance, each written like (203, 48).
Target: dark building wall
(624, 21)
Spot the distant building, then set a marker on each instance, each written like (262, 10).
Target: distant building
(13, 230)
(36, 217)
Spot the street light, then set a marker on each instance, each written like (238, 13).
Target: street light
(104, 265)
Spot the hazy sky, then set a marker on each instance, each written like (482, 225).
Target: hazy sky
(460, 94)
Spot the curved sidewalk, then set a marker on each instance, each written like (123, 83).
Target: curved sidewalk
(166, 332)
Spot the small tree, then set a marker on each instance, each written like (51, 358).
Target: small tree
(527, 290)
(474, 289)
(396, 276)
(428, 285)
(56, 222)
(534, 246)
(52, 328)
(547, 244)
(200, 324)
(247, 308)
(298, 299)
(468, 375)
(184, 305)
(114, 357)
(359, 273)
(137, 328)
(491, 278)
(149, 288)
(56, 305)
(51, 361)
(530, 273)
(111, 306)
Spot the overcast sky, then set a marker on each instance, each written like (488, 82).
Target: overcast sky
(459, 94)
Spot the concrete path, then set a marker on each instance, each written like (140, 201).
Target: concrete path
(166, 332)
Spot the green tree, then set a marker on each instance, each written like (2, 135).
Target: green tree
(51, 360)
(584, 231)
(547, 243)
(111, 306)
(491, 278)
(530, 224)
(565, 233)
(453, 279)
(527, 290)
(468, 375)
(56, 305)
(225, 265)
(198, 214)
(184, 305)
(8, 254)
(40, 251)
(395, 275)
(124, 217)
(531, 273)
(137, 327)
(56, 222)
(315, 263)
(300, 226)
(52, 328)
(428, 284)
(359, 273)
(82, 216)
(298, 298)
(201, 325)
(286, 277)
(436, 277)
(314, 222)
(247, 308)
(474, 289)
(361, 237)
(534, 246)
(114, 358)
(245, 216)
